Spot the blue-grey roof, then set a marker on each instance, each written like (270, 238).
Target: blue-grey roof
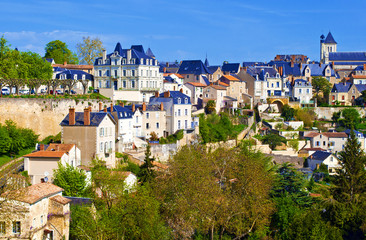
(207, 64)
(231, 67)
(71, 73)
(317, 70)
(347, 56)
(359, 68)
(206, 80)
(319, 155)
(95, 118)
(251, 64)
(341, 87)
(212, 69)
(58, 69)
(50, 60)
(360, 87)
(350, 63)
(357, 133)
(195, 67)
(122, 112)
(302, 83)
(287, 68)
(150, 53)
(261, 71)
(329, 39)
(174, 96)
(137, 52)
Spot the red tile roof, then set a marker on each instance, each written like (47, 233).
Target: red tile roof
(73, 66)
(359, 76)
(197, 84)
(222, 83)
(33, 193)
(60, 147)
(312, 134)
(230, 78)
(46, 154)
(217, 87)
(335, 134)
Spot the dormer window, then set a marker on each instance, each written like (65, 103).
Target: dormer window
(75, 76)
(124, 61)
(83, 77)
(179, 101)
(186, 100)
(267, 74)
(100, 62)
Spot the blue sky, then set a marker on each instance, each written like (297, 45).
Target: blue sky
(232, 30)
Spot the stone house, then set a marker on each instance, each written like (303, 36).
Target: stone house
(153, 120)
(340, 94)
(331, 141)
(40, 164)
(35, 212)
(194, 71)
(326, 158)
(93, 133)
(196, 92)
(215, 93)
(237, 88)
(302, 91)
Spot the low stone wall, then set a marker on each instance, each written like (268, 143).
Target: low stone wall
(327, 112)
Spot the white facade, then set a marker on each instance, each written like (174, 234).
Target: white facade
(105, 141)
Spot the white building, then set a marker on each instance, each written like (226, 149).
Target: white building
(326, 158)
(302, 91)
(128, 74)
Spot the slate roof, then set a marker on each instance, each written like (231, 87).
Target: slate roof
(207, 64)
(302, 83)
(357, 133)
(347, 56)
(287, 68)
(122, 112)
(261, 71)
(231, 67)
(360, 87)
(206, 80)
(329, 39)
(252, 64)
(213, 69)
(137, 52)
(95, 119)
(349, 63)
(316, 70)
(71, 73)
(150, 53)
(319, 155)
(341, 87)
(174, 95)
(195, 67)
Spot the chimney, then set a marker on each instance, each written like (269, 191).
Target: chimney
(167, 64)
(161, 106)
(133, 107)
(111, 107)
(56, 148)
(293, 58)
(41, 147)
(167, 94)
(90, 109)
(122, 104)
(104, 55)
(86, 117)
(144, 107)
(71, 116)
(320, 64)
(300, 66)
(364, 66)
(128, 56)
(156, 94)
(100, 106)
(302, 58)
(105, 109)
(181, 90)
(65, 63)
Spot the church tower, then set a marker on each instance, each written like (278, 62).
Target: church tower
(327, 46)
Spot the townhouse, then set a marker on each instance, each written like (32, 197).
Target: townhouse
(93, 133)
(215, 93)
(326, 158)
(331, 141)
(237, 89)
(194, 71)
(302, 91)
(128, 74)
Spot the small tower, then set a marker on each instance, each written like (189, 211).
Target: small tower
(327, 46)
(206, 62)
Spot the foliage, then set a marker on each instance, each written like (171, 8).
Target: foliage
(216, 128)
(71, 179)
(147, 173)
(89, 49)
(154, 136)
(273, 140)
(321, 84)
(210, 107)
(306, 115)
(173, 138)
(60, 53)
(52, 139)
(287, 112)
(294, 144)
(351, 117)
(220, 192)
(336, 116)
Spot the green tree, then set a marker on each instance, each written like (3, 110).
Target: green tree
(89, 49)
(204, 129)
(336, 116)
(5, 140)
(147, 173)
(273, 140)
(210, 107)
(351, 118)
(287, 112)
(71, 179)
(60, 53)
(321, 84)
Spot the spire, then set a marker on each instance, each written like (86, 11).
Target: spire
(330, 39)
(118, 49)
(149, 53)
(206, 62)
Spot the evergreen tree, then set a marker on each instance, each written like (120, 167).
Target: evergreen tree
(147, 172)
(351, 178)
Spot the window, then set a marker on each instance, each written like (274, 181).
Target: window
(179, 101)
(147, 126)
(333, 97)
(178, 124)
(107, 73)
(137, 119)
(124, 73)
(186, 99)
(186, 124)
(323, 143)
(115, 73)
(178, 112)
(300, 90)
(132, 84)
(101, 132)
(157, 125)
(187, 76)
(147, 115)
(110, 145)
(278, 84)
(157, 115)
(343, 97)
(101, 147)
(307, 90)
(41, 220)
(133, 72)
(317, 143)
(34, 222)
(100, 73)
(106, 146)
(2, 228)
(197, 77)
(186, 112)
(106, 131)
(115, 62)
(16, 227)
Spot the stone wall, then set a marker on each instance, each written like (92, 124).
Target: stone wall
(42, 115)
(327, 112)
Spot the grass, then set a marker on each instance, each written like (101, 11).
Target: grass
(4, 159)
